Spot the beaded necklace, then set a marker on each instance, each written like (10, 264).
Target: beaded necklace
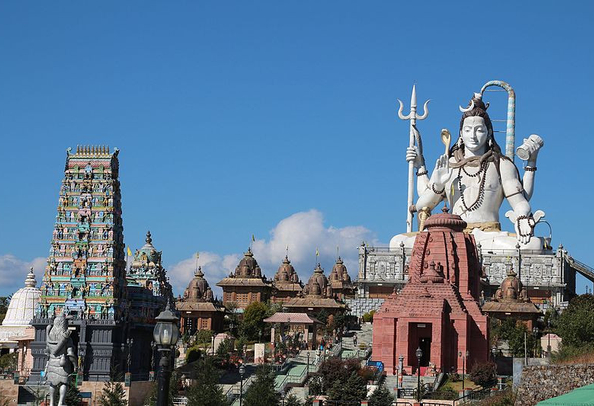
(479, 199)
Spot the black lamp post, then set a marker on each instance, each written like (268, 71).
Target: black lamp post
(419, 354)
(400, 370)
(308, 363)
(166, 334)
(464, 359)
(241, 374)
(549, 337)
(130, 343)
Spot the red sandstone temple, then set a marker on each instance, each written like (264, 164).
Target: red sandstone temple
(438, 310)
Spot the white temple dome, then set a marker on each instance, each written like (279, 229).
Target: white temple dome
(23, 303)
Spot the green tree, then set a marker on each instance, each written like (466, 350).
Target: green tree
(203, 337)
(253, 320)
(483, 373)
(381, 397)
(206, 391)
(113, 394)
(292, 400)
(354, 389)
(336, 372)
(8, 362)
(514, 332)
(4, 302)
(261, 392)
(576, 324)
(72, 397)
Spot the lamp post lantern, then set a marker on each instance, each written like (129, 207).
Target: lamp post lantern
(241, 374)
(419, 354)
(165, 334)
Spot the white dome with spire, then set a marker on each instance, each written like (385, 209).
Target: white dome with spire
(23, 303)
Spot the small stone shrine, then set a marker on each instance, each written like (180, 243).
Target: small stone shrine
(438, 310)
(511, 301)
(198, 308)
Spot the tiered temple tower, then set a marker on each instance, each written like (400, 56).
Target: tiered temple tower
(247, 285)
(317, 295)
(198, 307)
(147, 285)
(85, 273)
(84, 277)
(286, 283)
(438, 309)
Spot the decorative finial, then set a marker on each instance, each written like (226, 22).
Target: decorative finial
(30, 282)
(148, 239)
(199, 273)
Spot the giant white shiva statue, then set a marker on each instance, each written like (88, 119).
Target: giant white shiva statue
(473, 177)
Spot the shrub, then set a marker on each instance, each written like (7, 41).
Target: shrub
(193, 354)
(368, 317)
(483, 373)
(204, 336)
(446, 392)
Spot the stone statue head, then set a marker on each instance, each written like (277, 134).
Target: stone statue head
(476, 123)
(60, 328)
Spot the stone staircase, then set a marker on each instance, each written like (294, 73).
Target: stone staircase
(360, 306)
(409, 384)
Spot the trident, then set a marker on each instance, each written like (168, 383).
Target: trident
(413, 117)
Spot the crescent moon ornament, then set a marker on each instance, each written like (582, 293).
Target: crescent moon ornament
(464, 110)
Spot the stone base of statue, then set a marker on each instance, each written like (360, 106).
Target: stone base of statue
(486, 240)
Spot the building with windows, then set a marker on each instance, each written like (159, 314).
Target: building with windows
(246, 285)
(198, 307)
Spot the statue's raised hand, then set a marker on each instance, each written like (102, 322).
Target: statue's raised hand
(442, 173)
(412, 154)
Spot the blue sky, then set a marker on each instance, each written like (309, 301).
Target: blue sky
(276, 119)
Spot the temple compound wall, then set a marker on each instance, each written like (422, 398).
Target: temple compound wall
(547, 381)
(549, 276)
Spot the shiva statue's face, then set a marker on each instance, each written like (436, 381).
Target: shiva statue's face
(474, 134)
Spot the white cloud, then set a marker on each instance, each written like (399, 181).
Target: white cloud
(302, 232)
(213, 265)
(13, 272)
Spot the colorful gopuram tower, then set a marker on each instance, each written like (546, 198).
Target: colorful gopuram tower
(85, 274)
(84, 277)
